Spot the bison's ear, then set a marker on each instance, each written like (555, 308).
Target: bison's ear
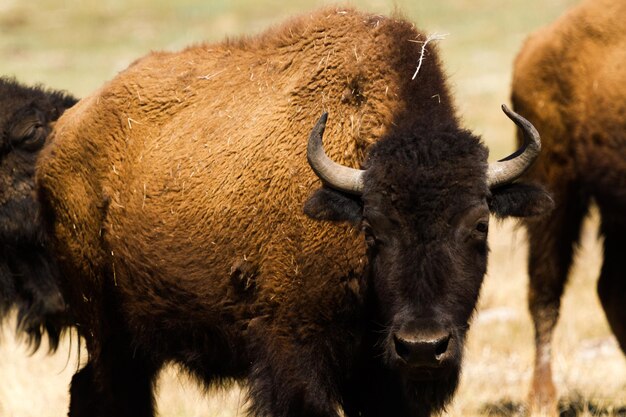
(520, 200)
(61, 102)
(328, 204)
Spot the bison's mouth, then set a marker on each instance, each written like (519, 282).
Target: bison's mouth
(425, 373)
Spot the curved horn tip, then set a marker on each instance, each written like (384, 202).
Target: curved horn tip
(318, 130)
(321, 122)
(520, 120)
(513, 166)
(516, 117)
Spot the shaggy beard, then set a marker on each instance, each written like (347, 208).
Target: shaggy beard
(433, 394)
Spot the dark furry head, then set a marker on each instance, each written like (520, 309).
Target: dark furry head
(425, 217)
(424, 210)
(27, 275)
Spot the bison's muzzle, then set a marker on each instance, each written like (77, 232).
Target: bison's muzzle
(423, 349)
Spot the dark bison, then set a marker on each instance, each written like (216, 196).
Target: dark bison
(28, 278)
(570, 82)
(189, 227)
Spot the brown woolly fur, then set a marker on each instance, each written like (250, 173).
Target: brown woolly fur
(175, 194)
(28, 275)
(570, 82)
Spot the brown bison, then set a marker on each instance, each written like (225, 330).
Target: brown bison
(189, 227)
(28, 277)
(570, 81)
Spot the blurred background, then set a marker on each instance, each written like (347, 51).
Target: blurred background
(78, 45)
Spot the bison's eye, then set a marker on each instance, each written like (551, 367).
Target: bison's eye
(481, 228)
(29, 130)
(473, 223)
(370, 239)
(34, 138)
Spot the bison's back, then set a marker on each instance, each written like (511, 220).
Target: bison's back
(569, 81)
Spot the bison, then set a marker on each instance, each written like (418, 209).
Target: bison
(188, 227)
(28, 277)
(569, 82)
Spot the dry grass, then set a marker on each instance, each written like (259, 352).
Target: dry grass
(78, 45)
(590, 369)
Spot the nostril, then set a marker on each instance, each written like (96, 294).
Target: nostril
(402, 348)
(441, 347)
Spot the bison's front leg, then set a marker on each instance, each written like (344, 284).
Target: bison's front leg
(612, 283)
(290, 377)
(83, 395)
(115, 383)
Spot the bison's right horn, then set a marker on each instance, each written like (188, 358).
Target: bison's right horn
(513, 166)
(337, 176)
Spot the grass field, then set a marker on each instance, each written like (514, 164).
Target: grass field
(77, 45)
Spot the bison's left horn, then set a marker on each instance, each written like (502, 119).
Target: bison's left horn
(337, 176)
(513, 166)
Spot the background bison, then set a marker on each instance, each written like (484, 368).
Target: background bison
(173, 196)
(28, 279)
(570, 82)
